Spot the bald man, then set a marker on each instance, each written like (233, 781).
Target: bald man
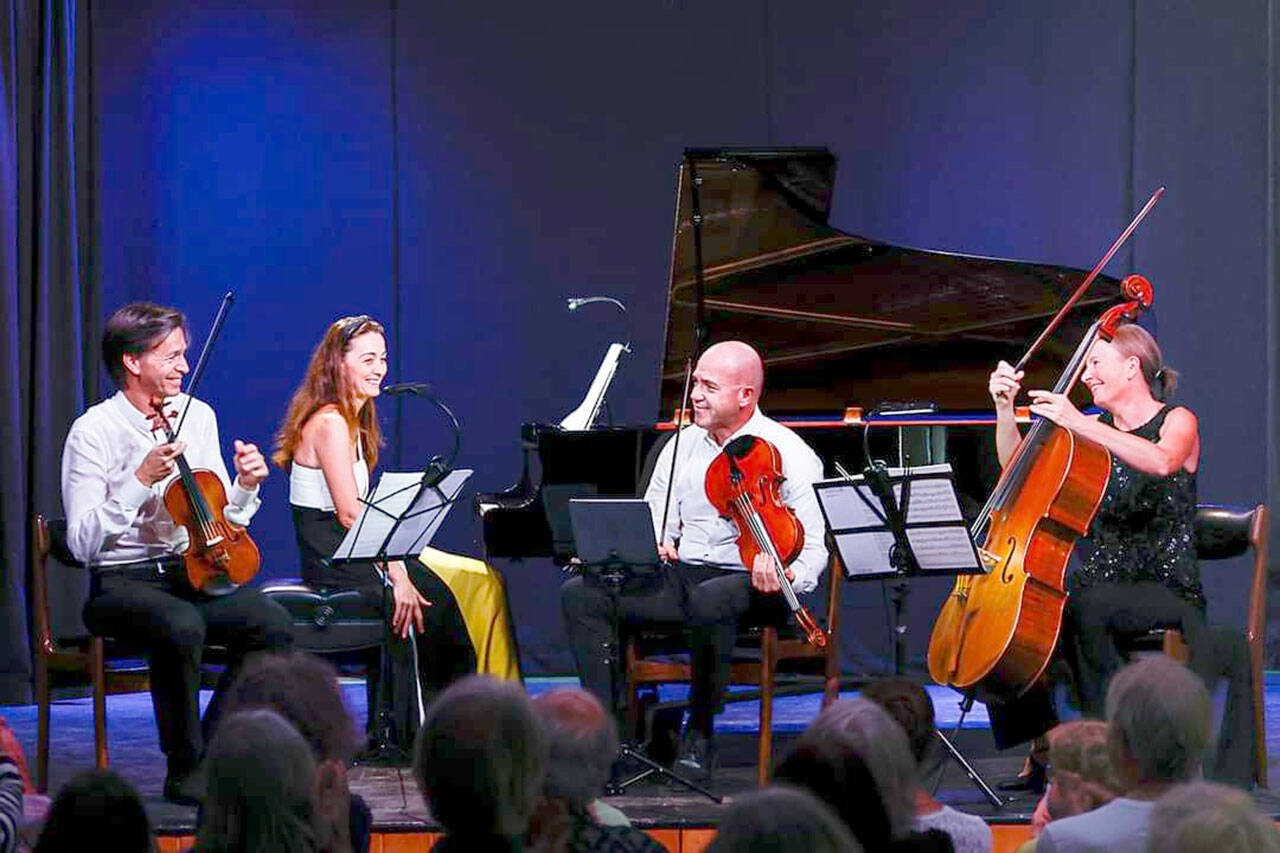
(706, 588)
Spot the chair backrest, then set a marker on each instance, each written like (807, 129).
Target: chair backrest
(1224, 532)
(60, 583)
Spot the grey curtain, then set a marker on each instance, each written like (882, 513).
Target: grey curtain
(48, 309)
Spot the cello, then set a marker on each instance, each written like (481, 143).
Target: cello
(220, 556)
(998, 631)
(743, 484)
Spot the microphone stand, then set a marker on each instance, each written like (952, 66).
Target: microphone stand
(384, 749)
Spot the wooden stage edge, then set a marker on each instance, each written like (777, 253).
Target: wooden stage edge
(1008, 837)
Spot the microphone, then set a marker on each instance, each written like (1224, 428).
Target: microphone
(416, 389)
(577, 302)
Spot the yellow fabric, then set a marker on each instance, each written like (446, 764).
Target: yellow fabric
(482, 598)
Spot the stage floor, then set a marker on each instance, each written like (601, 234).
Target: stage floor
(398, 807)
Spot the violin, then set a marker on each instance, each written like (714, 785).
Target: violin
(743, 484)
(220, 556)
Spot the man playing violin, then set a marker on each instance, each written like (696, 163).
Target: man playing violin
(116, 464)
(705, 585)
(1138, 569)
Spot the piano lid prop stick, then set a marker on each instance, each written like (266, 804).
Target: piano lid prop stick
(1088, 280)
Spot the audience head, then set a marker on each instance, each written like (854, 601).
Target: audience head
(261, 787)
(782, 819)
(582, 741)
(96, 806)
(303, 689)
(857, 760)
(481, 757)
(1160, 720)
(1204, 816)
(1081, 776)
(909, 705)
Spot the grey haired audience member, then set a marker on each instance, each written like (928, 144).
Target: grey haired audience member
(480, 761)
(1160, 719)
(1204, 816)
(304, 689)
(261, 787)
(583, 743)
(911, 708)
(782, 819)
(96, 809)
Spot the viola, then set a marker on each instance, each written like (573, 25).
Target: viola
(220, 556)
(743, 483)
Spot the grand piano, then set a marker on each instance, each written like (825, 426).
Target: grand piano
(844, 323)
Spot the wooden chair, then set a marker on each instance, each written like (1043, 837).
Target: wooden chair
(756, 658)
(67, 653)
(1224, 532)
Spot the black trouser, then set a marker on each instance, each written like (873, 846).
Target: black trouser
(443, 647)
(1099, 621)
(708, 601)
(145, 609)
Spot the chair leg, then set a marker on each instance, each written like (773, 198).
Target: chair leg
(98, 665)
(1259, 717)
(832, 672)
(42, 724)
(768, 667)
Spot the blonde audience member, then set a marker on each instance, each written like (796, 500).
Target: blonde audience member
(1081, 777)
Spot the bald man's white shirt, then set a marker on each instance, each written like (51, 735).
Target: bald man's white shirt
(705, 538)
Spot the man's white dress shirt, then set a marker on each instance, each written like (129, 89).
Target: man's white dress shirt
(708, 539)
(111, 517)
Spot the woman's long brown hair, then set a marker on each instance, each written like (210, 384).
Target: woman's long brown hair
(322, 386)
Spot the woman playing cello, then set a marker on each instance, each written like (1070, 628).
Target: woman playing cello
(329, 444)
(1138, 568)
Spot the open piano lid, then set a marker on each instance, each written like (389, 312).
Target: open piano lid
(839, 319)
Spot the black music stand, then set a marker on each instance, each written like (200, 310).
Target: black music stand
(614, 540)
(397, 522)
(881, 534)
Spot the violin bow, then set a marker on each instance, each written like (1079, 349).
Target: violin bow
(1088, 280)
(675, 448)
(209, 341)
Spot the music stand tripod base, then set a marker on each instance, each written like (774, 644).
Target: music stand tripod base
(614, 539)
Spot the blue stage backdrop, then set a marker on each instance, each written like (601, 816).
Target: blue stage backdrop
(458, 170)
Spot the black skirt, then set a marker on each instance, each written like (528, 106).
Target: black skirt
(444, 649)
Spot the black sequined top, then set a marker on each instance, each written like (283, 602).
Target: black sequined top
(1145, 529)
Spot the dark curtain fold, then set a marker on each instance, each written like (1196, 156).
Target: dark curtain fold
(50, 312)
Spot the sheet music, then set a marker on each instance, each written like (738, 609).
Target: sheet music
(582, 417)
(941, 548)
(935, 527)
(393, 501)
(864, 553)
(933, 499)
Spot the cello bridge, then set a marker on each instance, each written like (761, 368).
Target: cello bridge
(992, 560)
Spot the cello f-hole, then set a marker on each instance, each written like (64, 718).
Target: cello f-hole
(1006, 566)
